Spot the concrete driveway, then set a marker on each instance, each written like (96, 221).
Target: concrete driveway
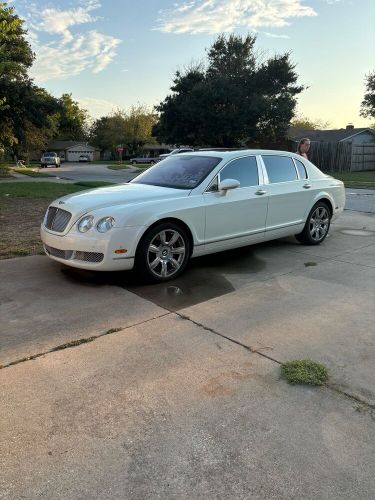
(174, 390)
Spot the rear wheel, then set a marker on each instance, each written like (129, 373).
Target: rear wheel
(163, 252)
(134, 162)
(317, 225)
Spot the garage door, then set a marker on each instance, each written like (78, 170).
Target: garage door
(74, 154)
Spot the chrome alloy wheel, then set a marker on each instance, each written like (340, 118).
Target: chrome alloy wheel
(319, 223)
(166, 253)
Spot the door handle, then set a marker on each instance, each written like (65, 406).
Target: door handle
(307, 186)
(260, 192)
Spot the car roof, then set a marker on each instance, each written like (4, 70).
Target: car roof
(227, 155)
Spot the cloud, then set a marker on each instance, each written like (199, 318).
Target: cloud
(62, 59)
(67, 52)
(215, 16)
(97, 107)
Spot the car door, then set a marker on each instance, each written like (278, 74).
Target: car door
(289, 191)
(240, 212)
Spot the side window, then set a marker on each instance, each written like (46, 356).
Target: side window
(280, 168)
(244, 170)
(214, 186)
(301, 169)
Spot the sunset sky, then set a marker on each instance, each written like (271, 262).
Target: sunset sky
(114, 53)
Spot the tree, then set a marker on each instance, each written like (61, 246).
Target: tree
(368, 103)
(302, 122)
(16, 57)
(234, 99)
(72, 120)
(131, 128)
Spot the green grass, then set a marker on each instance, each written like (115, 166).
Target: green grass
(118, 167)
(304, 371)
(356, 179)
(4, 170)
(45, 189)
(30, 173)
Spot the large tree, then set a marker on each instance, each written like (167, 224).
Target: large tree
(72, 124)
(234, 99)
(130, 128)
(368, 103)
(16, 57)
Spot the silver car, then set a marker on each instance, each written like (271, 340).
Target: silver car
(50, 158)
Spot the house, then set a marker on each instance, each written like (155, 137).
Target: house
(72, 150)
(348, 134)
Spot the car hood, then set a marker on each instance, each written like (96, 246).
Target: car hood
(121, 194)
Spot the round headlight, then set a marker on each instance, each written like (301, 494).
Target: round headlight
(85, 223)
(105, 224)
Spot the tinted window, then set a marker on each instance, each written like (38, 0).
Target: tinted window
(280, 168)
(301, 169)
(180, 172)
(244, 170)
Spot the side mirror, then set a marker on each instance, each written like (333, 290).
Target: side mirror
(227, 184)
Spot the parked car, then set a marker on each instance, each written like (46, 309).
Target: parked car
(190, 205)
(141, 159)
(84, 158)
(50, 158)
(176, 152)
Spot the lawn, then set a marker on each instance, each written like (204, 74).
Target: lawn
(30, 172)
(356, 179)
(22, 208)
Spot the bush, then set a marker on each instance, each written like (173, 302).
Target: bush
(304, 371)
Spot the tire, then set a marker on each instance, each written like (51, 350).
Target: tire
(134, 162)
(317, 225)
(156, 258)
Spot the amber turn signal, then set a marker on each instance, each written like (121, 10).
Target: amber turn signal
(121, 250)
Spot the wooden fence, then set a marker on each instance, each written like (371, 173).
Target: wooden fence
(363, 157)
(331, 156)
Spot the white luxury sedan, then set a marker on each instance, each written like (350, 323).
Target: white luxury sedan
(192, 204)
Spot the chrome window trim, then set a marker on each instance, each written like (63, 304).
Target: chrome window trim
(304, 166)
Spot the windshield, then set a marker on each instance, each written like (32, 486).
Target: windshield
(179, 172)
(49, 154)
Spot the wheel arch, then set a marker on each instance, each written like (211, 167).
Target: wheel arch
(174, 220)
(327, 200)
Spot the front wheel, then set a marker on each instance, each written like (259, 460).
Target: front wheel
(163, 253)
(317, 225)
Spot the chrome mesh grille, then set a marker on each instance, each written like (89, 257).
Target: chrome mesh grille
(61, 254)
(57, 219)
(89, 256)
(94, 257)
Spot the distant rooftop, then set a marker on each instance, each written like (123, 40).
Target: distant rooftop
(335, 135)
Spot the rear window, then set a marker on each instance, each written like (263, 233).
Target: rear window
(280, 168)
(179, 172)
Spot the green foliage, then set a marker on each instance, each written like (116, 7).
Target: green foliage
(304, 371)
(368, 103)
(302, 122)
(131, 128)
(234, 100)
(72, 120)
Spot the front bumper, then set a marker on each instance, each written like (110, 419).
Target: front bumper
(95, 251)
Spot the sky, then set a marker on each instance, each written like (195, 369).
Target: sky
(114, 53)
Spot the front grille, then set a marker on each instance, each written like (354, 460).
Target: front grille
(57, 219)
(89, 256)
(94, 257)
(61, 254)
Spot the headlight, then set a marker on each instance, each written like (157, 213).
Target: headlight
(105, 224)
(85, 224)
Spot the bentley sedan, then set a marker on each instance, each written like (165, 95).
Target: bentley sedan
(192, 204)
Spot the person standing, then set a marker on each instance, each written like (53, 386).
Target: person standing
(303, 147)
